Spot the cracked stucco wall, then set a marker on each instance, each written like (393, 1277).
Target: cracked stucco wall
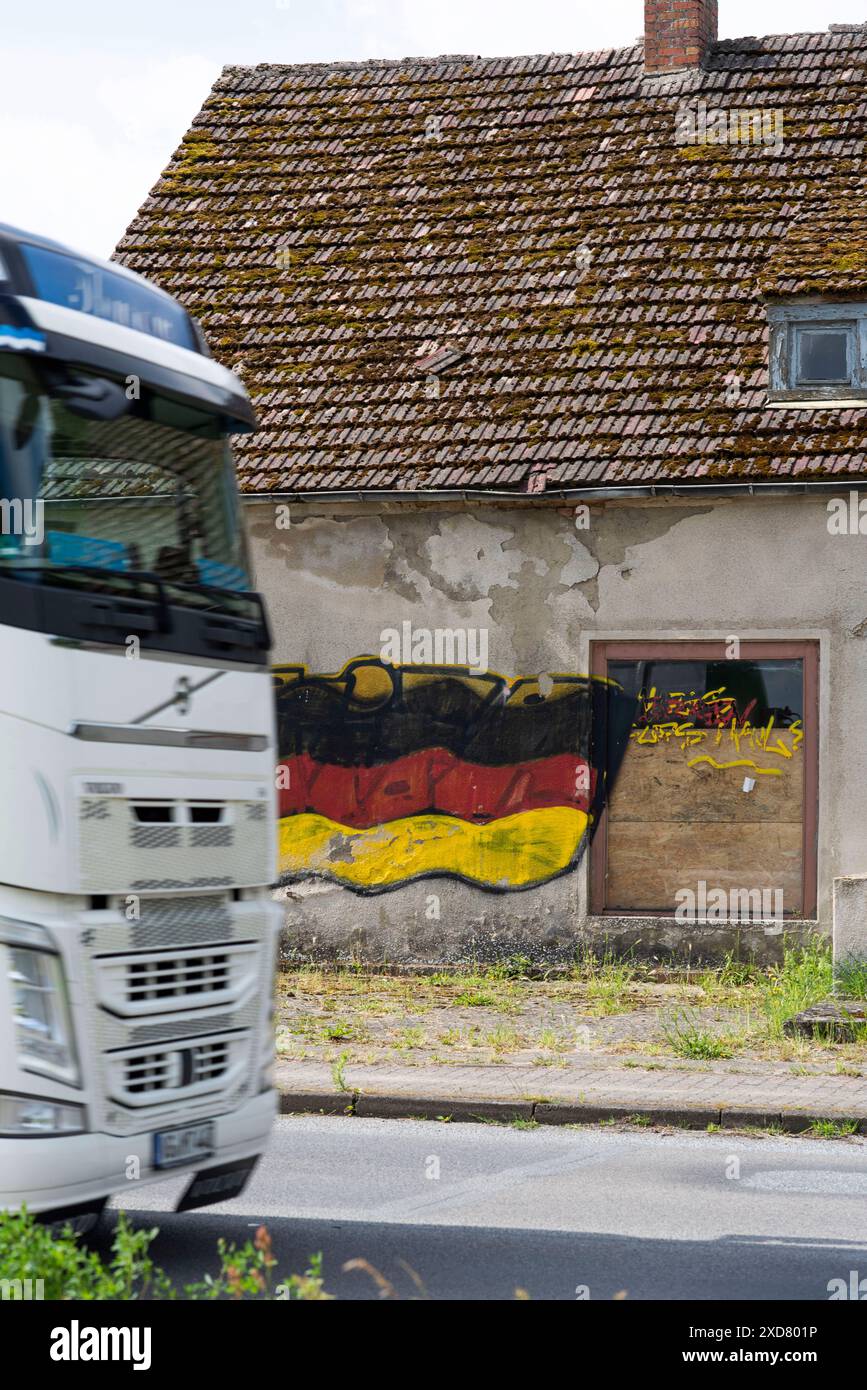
(544, 588)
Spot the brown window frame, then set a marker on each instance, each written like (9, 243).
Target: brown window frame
(807, 651)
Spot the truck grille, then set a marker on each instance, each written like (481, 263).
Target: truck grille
(181, 1007)
(210, 1061)
(177, 978)
(166, 1071)
(171, 845)
(162, 982)
(154, 1076)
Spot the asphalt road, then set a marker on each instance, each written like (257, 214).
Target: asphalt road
(477, 1211)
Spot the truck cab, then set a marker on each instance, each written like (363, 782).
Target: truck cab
(137, 833)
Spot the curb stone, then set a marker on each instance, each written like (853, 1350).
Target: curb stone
(395, 1107)
(318, 1102)
(433, 1108)
(750, 1119)
(689, 1117)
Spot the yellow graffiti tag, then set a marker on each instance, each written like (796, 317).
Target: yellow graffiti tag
(688, 735)
(738, 762)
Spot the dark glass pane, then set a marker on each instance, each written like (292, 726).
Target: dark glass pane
(823, 355)
(713, 694)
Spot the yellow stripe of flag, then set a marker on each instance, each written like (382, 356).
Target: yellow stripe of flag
(511, 852)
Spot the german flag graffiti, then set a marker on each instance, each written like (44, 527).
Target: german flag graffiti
(389, 774)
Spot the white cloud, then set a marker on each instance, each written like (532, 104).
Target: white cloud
(93, 105)
(83, 179)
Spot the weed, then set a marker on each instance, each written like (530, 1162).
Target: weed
(338, 1072)
(851, 979)
(514, 967)
(337, 1031)
(833, 1129)
(687, 1039)
(70, 1270)
(804, 978)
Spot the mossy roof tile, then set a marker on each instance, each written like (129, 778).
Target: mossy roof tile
(334, 225)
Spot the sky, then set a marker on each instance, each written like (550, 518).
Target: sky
(97, 95)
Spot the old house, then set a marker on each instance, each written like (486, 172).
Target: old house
(557, 497)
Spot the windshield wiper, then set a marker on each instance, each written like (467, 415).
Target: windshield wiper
(223, 604)
(47, 571)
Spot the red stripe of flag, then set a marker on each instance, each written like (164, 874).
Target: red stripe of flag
(435, 780)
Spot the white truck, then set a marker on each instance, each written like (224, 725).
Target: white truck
(137, 823)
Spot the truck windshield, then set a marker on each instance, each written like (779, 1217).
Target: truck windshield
(152, 491)
(94, 289)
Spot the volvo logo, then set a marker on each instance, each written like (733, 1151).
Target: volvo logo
(180, 1068)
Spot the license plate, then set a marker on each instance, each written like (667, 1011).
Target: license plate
(173, 1147)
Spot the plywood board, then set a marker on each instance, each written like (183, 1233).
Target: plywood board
(648, 862)
(656, 782)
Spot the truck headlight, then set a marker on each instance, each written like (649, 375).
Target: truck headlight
(43, 1027)
(21, 1116)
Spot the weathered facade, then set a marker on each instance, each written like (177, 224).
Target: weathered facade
(766, 571)
(561, 368)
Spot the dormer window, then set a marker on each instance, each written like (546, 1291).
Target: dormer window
(818, 352)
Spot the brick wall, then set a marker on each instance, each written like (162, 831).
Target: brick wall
(678, 33)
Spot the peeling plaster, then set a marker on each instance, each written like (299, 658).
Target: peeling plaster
(352, 551)
(468, 557)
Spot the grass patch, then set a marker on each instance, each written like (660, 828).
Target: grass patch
(504, 1040)
(606, 979)
(408, 1038)
(338, 1031)
(804, 978)
(475, 999)
(851, 979)
(515, 967)
(833, 1129)
(687, 1039)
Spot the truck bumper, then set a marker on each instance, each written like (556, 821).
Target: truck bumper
(50, 1173)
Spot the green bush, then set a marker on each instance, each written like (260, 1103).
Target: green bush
(61, 1267)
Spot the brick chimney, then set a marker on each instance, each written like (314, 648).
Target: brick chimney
(678, 33)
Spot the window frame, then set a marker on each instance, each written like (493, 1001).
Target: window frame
(807, 651)
(786, 323)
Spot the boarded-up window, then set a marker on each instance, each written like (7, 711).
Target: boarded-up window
(717, 785)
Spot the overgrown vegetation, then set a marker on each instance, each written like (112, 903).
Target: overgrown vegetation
(60, 1267)
(851, 979)
(804, 978)
(515, 1010)
(833, 1129)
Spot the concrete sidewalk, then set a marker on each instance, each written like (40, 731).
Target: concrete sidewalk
(587, 1090)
